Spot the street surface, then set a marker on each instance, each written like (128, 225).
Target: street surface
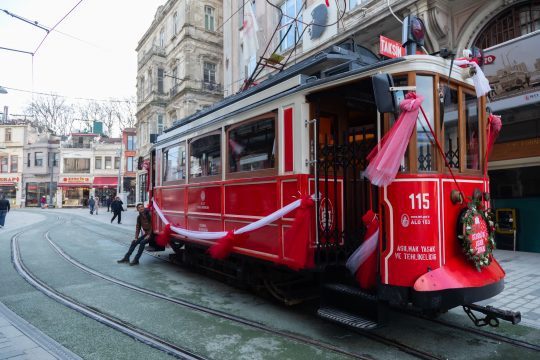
(73, 254)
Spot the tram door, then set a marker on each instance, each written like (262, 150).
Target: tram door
(346, 133)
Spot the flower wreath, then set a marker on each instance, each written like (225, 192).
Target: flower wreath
(474, 237)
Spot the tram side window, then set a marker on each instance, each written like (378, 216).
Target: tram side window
(252, 146)
(450, 117)
(174, 163)
(472, 131)
(424, 139)
(205, 156)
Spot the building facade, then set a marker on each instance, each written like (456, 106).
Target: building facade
(13, 136)
(129, 167)
(509, 30)
(89, 166)
(179, 71)
(41, 166)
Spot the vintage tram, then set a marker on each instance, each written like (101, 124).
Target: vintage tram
(255, 160)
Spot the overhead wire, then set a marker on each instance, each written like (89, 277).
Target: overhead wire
(58, 23)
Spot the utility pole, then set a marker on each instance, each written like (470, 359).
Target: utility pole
(51, 162)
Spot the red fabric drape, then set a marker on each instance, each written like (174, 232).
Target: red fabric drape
(298, 236)
(494, 127)
(366, 274)
(385, 158)
(162, 239)
(223, 247)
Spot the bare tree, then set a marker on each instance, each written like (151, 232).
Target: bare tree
(53, 112)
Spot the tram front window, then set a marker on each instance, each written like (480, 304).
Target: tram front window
(424, 138)
(471, 132)
(449, 119)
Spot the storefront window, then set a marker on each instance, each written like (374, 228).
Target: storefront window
(35, 191)
(424, 140)
(252, 146)
(75, 196)
(10, 192)
(450, 121)
(174, 163)
(472, 131)
(205, 156)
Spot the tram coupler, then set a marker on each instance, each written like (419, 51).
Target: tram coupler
(493, 315)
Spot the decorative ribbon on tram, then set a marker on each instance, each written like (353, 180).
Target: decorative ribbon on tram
(298, 233)
(385, 159)
(363, 261)
(481, 83)
(493, 129)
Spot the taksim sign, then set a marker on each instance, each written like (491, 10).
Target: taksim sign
(390, 48)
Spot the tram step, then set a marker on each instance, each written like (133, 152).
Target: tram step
(341, 317)
(349, 290)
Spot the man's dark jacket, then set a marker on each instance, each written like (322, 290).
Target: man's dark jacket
(4, 204)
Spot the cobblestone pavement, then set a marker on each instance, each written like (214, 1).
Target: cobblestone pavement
(20, 340)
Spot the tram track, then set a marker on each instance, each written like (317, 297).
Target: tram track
(253, 324)
(487, 334)
(117, 324)
(296, 337)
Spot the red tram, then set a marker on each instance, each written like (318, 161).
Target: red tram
(306, 133)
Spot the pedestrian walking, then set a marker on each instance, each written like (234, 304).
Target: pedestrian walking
(144, 223)
(109, 201)
(117, 208)
(91, 205)
(96, 206)
(43, 202)
(4, 209)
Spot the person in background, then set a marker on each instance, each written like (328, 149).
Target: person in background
(96, 206)
(43, 202)
(91, 204)
(144, 223)
(109, 202)
(4, 209)
(117, 208)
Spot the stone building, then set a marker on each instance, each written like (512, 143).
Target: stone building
(41, 166)
(179, 70)
(13, 136)
(509, 30)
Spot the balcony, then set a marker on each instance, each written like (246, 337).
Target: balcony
(76, 146)
(154, 50)
(214, 87)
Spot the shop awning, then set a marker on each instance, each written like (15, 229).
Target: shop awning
(105, 181)
(74, 185)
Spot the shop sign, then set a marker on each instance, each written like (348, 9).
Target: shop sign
(76, 180)
(11, 179)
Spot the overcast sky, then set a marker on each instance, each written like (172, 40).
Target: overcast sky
(92, 55)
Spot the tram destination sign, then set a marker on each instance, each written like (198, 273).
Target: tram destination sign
(390, 48)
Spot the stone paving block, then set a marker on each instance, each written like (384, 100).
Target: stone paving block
(39, 353)
(10, 331)
(10, 354)
(23, 342)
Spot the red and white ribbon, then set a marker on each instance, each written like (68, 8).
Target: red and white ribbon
(216, 235)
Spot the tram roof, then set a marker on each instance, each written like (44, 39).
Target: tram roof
(331, 64)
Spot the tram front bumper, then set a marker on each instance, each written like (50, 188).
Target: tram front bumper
(457, 283)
